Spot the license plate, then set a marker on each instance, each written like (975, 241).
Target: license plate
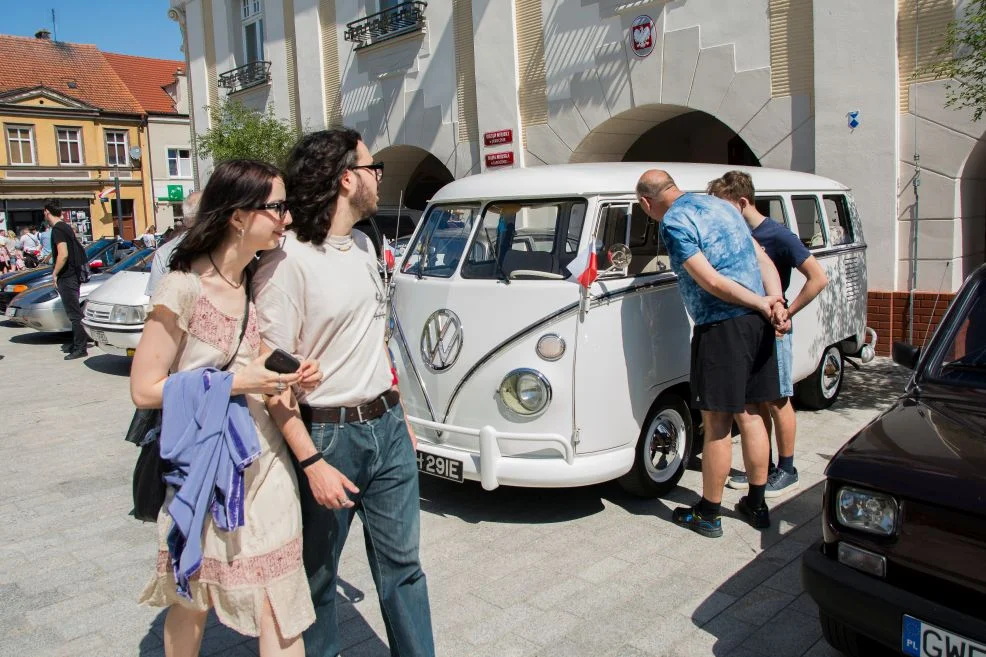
(922, 639)
(443, 467)
(98, 336)
(11, 311)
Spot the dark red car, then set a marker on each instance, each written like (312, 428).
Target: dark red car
(902, 561)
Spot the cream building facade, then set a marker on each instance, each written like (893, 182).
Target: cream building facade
(825, 86)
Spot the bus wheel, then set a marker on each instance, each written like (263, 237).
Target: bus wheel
(663, 449)
(821, 388)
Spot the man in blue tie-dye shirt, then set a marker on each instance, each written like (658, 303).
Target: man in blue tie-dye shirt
(722, 275)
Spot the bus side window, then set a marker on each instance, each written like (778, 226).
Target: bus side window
(839, 223)
(809, 218)
(773, 208)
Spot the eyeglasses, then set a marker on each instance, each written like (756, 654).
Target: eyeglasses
(376, 168)
(280, 206)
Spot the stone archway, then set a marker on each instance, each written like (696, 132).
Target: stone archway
(691, 137)
(412, 175)
(599, 107)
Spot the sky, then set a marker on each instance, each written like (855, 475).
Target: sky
(131, 27)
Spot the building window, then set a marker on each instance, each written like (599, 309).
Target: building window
(252, 17)
(116, 148)
(69, 145)
(179, 163)
(20, 144)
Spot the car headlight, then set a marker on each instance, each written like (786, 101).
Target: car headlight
(127, 315)
(866, 511)
(525, 391)
(16, 289)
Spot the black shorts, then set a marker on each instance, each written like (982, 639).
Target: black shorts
(734, 363)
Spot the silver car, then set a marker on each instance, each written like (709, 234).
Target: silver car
(41, 308)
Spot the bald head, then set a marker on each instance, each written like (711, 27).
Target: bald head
(190, 208)
(657, 190)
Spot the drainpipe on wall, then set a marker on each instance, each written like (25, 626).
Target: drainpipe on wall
(178, 15)
(916, 184)
(143, 129)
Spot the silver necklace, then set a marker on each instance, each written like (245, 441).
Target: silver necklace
(340, 243)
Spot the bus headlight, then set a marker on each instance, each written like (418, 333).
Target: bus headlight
(525, 391)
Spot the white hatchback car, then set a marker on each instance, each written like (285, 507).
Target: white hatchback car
(115, 312)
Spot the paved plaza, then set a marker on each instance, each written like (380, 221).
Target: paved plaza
(513, 572)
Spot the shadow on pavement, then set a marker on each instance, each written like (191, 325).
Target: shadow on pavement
(109, 364)
(36, 337)
(507, 504)
(220, 640)
(762, 608)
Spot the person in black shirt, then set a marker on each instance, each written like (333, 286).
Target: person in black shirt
(69, 258)
(787, 253)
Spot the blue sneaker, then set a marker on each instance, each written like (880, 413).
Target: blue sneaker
(688, 516)
(780, 481)
(738, 482)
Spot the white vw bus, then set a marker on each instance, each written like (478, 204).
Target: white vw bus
(514, 374)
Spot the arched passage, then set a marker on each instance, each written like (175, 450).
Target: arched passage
(667, 133)
(972, 208)
(412, 175)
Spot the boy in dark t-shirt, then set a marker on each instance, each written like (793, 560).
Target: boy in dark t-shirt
(787, 252)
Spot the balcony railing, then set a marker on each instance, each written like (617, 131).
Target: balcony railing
(404, 18)
(246, 76)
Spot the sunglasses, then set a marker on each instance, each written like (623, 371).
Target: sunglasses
(376, 168)
(280, 206)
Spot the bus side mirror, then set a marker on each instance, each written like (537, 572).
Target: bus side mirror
(906, 354)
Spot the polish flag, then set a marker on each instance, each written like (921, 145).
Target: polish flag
(388, 255)
(584, 268)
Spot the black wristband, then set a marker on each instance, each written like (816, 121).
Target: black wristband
(314, 458)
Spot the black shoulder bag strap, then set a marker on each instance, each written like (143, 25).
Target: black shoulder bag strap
(243, 324)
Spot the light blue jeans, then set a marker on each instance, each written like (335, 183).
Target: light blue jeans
(785, 365)
(378, 457)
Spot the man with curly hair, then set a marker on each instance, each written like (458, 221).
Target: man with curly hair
(320, 297)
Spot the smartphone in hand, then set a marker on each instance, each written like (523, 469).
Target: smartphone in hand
(282, 362)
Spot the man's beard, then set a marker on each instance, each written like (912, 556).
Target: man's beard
(364, 202)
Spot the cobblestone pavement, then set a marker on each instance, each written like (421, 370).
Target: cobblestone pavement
(587, 571)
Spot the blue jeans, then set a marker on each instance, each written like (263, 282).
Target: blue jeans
(785, 365)
(378, 457)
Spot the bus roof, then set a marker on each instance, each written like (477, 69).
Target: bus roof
(618, 178)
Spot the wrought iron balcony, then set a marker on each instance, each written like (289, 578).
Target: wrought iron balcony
(246, 76)
(404, 18)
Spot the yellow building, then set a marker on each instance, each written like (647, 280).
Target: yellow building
(73, 131)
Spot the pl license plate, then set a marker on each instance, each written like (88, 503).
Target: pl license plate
(444, 467)
(98, 336)
(11, 311)
(922, 639)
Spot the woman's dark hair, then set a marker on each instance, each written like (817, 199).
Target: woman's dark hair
(311, 179)
(234, 185)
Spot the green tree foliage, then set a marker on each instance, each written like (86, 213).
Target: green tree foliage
(238, 132)
(962, 59)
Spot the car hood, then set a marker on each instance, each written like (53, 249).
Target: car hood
(928, 449)
(126, 289)
(29, 277)
(42, 289)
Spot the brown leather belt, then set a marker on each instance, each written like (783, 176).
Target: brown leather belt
(371, 410)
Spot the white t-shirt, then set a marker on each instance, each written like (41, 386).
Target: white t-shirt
(328, 305)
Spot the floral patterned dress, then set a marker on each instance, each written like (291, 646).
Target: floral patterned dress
(262, 559)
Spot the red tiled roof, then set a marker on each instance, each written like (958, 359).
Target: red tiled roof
(30, 62)
(146, 79)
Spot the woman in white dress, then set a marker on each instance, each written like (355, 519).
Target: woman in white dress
(253, 577)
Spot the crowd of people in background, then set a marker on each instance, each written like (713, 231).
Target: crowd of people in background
(24, 252)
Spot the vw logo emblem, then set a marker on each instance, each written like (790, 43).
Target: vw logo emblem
(441, 340)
